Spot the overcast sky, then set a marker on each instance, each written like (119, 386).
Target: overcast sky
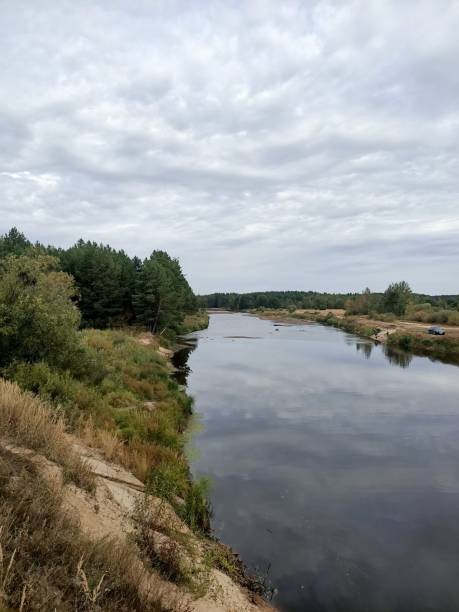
(267, 144)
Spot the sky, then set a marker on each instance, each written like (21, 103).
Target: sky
(268, 145)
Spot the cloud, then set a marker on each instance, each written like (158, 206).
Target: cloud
(267, 144)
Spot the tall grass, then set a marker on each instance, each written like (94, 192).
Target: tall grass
(27, 421)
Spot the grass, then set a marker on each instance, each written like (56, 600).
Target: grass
(45, 561)
(27, 421)
(349, 324)
(194, 322)
(189, 498)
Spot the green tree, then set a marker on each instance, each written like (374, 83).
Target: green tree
(105, 279)
(38, 319)
(396, 298)
(163, 295)
(13, 243)
(108, 281)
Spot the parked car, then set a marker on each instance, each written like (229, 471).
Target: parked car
(436, 331)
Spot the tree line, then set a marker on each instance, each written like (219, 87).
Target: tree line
(108, 287)
(275, 299)
(395, 299)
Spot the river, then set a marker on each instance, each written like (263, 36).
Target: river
(334, 465)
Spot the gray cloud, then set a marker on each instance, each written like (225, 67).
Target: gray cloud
(268, 145)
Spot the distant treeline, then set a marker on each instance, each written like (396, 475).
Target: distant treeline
(275, 299)
(394, 299)
(112, 288)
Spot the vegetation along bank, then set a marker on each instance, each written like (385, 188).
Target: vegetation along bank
(97, 507)
(398, 318)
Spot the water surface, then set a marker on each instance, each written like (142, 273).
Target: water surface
(335, 466)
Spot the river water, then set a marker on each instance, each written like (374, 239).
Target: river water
(334, 466)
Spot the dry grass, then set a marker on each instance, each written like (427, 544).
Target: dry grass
(47, 564)
(27, 421)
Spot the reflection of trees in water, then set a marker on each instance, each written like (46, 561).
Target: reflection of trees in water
(365, 347)
(394, 356)
(397, 357)
(180, 363)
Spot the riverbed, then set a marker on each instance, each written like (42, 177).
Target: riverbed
(334, 464)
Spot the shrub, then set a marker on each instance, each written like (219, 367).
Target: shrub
(439, 315)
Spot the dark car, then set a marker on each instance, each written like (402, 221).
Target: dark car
(436, 331)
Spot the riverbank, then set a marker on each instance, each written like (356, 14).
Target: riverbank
(396, 334)
(110, 443)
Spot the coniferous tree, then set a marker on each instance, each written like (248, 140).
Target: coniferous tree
(163, 295)
(13, 243)
(105, 280)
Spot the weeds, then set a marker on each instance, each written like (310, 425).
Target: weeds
(91, 593)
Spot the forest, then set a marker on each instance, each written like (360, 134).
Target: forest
(109, 288)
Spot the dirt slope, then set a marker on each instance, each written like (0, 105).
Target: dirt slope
(112, 512)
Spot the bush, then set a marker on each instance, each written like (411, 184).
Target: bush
(431, 315)
(38, 319)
